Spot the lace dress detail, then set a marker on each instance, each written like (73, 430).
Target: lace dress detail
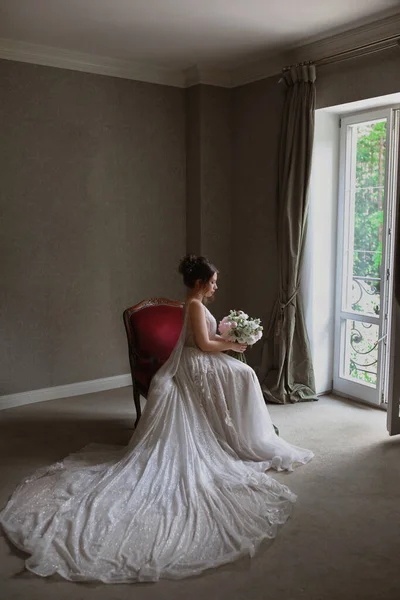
(204, 373)
(189, 492)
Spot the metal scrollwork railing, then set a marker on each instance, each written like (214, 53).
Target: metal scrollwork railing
(370, 287)
(363, 340)
(364, 352)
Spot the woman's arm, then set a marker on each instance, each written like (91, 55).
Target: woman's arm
(199, 327)
(218, 337)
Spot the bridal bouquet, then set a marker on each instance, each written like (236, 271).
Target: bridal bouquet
(238, 327)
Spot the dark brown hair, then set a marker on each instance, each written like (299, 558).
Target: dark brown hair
(195, 268)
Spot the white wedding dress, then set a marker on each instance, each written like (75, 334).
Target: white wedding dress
(189, 491)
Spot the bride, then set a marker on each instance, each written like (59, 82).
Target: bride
(189, 492)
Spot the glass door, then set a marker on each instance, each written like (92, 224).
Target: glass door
(365, 248)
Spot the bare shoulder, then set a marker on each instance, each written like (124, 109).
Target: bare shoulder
(195, 307)
(194, 304)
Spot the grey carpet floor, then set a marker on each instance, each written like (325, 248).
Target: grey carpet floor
(342, 541)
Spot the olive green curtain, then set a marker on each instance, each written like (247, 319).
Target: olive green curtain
(286, 372)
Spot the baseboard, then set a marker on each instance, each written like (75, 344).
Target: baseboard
(64, 391)
(325, 393)
(359, 401)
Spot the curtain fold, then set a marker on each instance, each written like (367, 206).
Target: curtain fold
(286, 372)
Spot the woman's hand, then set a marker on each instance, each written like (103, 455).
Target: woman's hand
(236, 347)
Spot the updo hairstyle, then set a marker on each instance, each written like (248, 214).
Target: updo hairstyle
(195, 268)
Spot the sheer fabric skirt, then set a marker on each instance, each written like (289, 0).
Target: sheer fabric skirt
(189, 491)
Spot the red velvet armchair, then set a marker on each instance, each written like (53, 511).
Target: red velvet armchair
(152, 328)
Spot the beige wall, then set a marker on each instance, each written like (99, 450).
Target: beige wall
(92, 218)
(351, 80)
(193, 170)
(94, 212)
(209, 183)
(257, 110)
(217, 190)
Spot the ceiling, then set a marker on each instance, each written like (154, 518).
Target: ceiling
(179, 34)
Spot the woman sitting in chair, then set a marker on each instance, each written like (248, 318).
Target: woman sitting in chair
(189, 492)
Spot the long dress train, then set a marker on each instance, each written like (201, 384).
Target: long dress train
(189, 491)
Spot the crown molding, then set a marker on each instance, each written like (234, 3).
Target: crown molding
(348, 39)
(265, 66)
(198, 75)
(316, 49)
(88, 63)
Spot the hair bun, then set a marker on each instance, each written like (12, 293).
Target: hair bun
(188, 264)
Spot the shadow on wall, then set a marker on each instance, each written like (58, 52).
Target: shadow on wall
(257, 121)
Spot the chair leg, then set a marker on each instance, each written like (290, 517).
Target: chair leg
(136, 398)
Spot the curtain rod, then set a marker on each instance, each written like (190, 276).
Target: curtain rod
(377, 46)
